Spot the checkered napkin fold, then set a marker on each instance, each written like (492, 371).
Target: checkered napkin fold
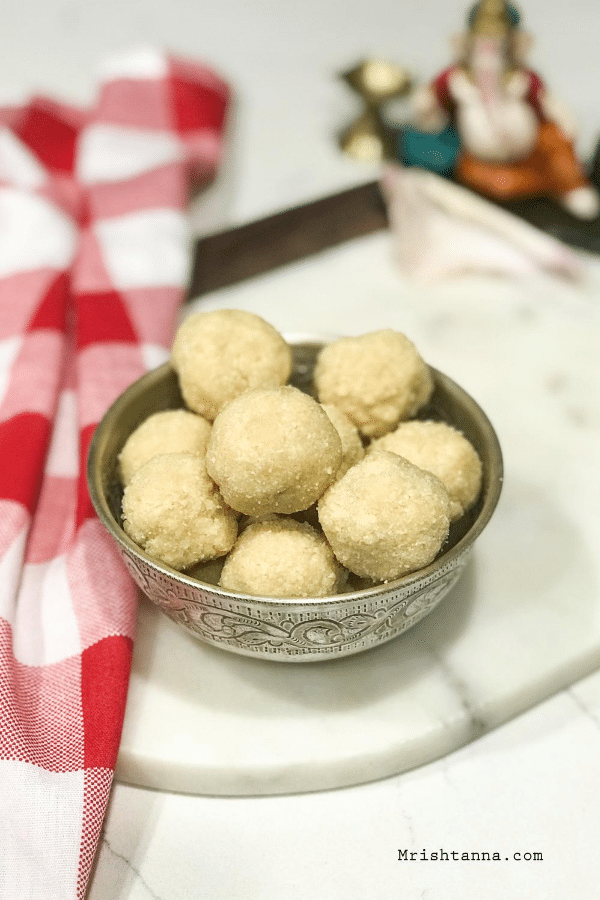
(94, 259)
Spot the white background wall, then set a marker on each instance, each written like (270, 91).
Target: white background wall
(282, 59)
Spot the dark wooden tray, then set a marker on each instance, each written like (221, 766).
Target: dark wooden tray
(255, 248)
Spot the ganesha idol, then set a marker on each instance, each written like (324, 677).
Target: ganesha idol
(503, 133)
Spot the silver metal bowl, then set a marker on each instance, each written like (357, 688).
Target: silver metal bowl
(302, 630)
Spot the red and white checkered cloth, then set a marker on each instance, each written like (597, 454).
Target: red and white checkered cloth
(94, 259)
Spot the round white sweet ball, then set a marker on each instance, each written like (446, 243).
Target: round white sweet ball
(443, 450)
(273, 451)
(168, 431)
(173, 511)
(377, 379)
(385, 517)
(281, 558)
(219, 354)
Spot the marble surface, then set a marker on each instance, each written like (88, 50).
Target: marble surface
(528, 787)
(531, 784)
(523, 621)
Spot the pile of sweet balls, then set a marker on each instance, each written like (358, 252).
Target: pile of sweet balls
(291, 493)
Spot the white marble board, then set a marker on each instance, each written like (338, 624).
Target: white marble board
(523, 622)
